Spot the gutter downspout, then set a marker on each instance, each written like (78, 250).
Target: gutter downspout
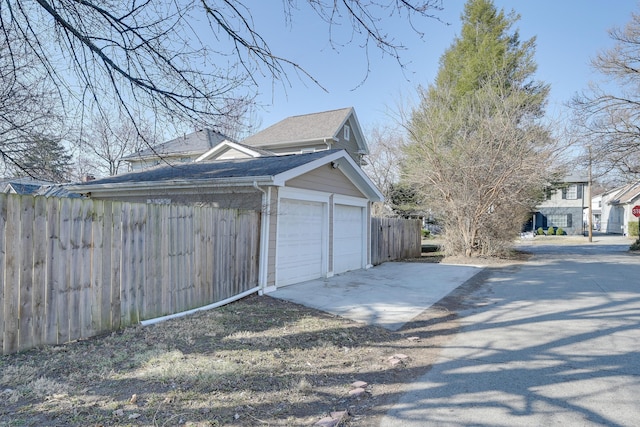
(327, 141)
(204, 308)
(264, 237)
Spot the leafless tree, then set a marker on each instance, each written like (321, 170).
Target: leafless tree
(383, 163)
(104, 142)
(184, 60)
(607, 114)
(28, 112)
(481, 166)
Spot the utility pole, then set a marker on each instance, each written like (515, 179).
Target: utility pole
(589, 211)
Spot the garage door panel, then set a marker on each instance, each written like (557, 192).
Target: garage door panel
(300, 241)
(348, 238)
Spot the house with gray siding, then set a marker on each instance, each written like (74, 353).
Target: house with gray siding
(184, 149)
(615, 208)
(563, 205)
(307, 133)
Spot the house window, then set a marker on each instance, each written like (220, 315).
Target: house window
(559, 220)
(347, 132)
(572, 192)
(547, 193)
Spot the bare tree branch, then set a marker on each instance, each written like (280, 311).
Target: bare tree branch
(607, 116)
(158, 57)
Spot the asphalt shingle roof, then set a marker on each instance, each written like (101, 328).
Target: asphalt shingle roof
(22, 188)
(57, 190)
(306, 127)
(192, 143)
(216, 169)
(627, 193)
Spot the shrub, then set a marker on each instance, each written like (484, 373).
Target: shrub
(635, 246)
(559, 232)
(551, 231)
(633, 228)
(540, 231)
(426, 233)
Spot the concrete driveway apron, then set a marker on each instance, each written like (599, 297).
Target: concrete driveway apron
(555, 341)
(388, 295)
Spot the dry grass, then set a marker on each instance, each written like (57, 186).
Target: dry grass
(259, 361)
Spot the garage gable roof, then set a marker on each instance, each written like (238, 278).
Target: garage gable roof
(264, 170)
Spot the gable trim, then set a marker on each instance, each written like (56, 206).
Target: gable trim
(228, 144)
(339, 159)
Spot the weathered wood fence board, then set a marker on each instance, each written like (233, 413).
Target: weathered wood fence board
(74, 268)
(395, 239)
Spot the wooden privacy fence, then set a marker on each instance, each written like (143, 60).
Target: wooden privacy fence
(394, 239)
(75, 268)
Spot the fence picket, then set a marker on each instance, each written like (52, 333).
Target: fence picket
(207, 255)
(3, 229)
(53, 270)
(166, 259)
(152, 235)
(86, 248)
(126, 298)
(96, 261)
(116, 265)
(138, 226)
(63, 276)
(75, 272)
(107, 280)
(39, 270)
(25, 311)
(12, 276)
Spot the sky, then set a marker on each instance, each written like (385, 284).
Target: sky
(568, 34)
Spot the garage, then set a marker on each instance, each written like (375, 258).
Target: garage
(301, 241)
(348, 238)
(315, 207)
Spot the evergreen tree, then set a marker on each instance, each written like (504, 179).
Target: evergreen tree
(46, 159)
(487, 52)
(477, 153)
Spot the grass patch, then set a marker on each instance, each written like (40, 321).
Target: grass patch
(258, 361)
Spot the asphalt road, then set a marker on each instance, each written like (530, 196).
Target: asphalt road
(552, 342)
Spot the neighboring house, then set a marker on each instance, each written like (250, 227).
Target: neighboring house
(328, 130)
(315, 207)
(563, 206)
(596, 212)
(21, 185)
(184, 149)
(616, 208)
(336, 129)
(606, 218)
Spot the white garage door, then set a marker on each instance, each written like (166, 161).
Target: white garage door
(348, 238)
(300, 241)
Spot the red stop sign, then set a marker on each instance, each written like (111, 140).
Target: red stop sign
(636, 211)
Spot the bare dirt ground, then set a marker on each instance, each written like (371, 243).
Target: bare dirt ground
(258, 361)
